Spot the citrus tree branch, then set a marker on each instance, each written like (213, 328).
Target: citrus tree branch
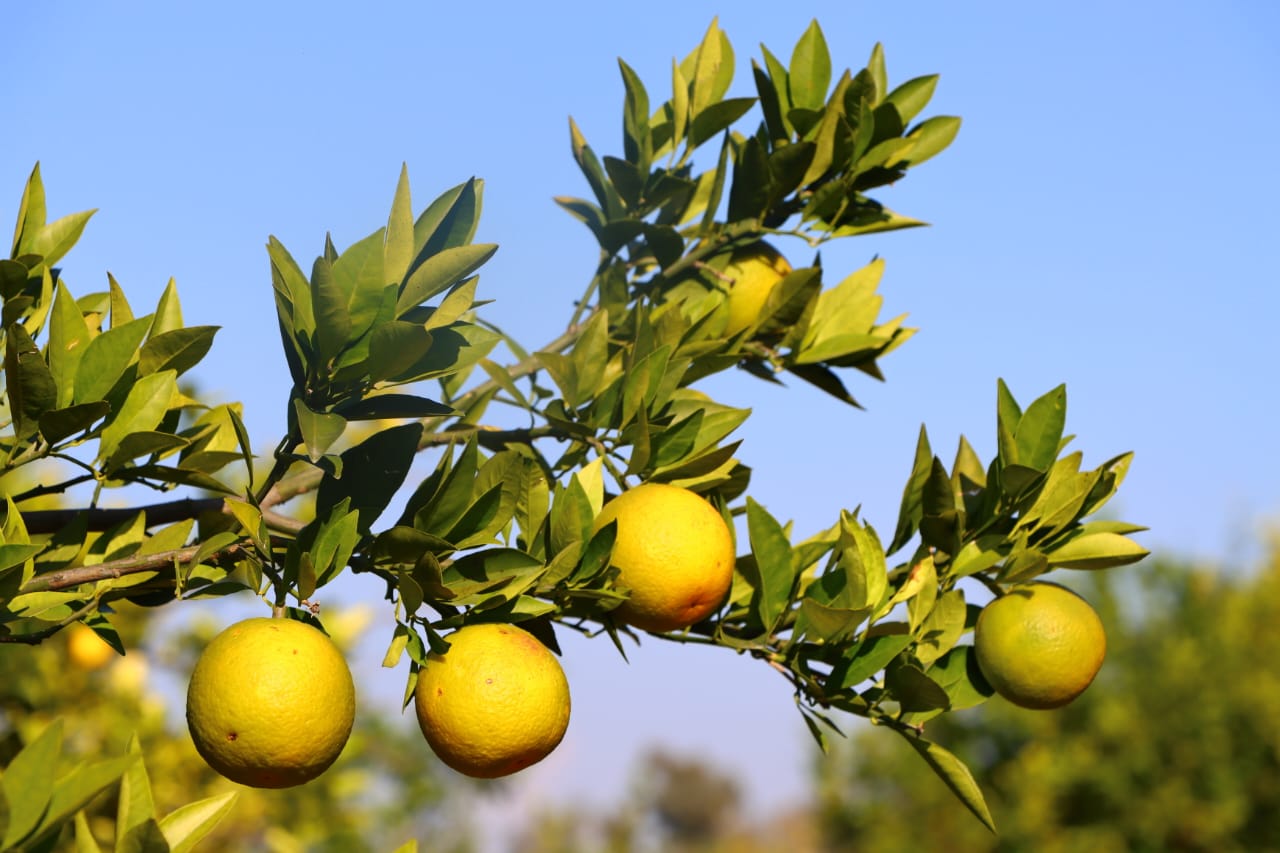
(53, 520)
(67, 578)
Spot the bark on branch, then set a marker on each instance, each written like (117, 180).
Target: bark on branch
(67, 578)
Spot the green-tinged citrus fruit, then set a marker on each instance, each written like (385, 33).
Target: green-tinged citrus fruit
(271, 703)
(754, 271)
(1039, 645)
(673, 551)
(496, 702)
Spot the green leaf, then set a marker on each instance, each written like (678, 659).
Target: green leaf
(121, 313)
(481, 520)
(30, 385)
(319, 430)
(381, 406)
(1039, 430)
(912, 509)
(73, 791)
(810, 71)
(53, 241)
(441, 498)
(31, 213)
(334, 542)
(495, 576)
(864, 660)
(250, 518)
(709, 202)
(142, 411)
(394, 349)
(180, 476)
(717, 117)
(679, 106)
(27, 783)
(592, 171)
(958, 674)
(178, 350)
(185, 826)
(635, 124)
(143, 443)
(780, 85)
(942, 628)
(397, 249)
(571, 515)
(107, 357)
(850, 307)
(291, 285)
(399, 642)
(449, 221)
(879, 76)
(68, 339)
(862, 564)
(774, 575)
(589, 358)
(912, 689)
(453, 349)
(749, 193)
(440, 272)
(460, 300)
(941, 521)
(954, 774)
(1102, 550)
(84, 836)
(913, 96)
(821, 622)
(931, 137)
(1008, 414)
(333, 320)
(168, 314)
(60, 424)
(14, 554)
(978, 555)
(135, 807)
(372, 472)
(711, 70)
(1062, 496)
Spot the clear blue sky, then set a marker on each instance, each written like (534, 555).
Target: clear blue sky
(1106, 218)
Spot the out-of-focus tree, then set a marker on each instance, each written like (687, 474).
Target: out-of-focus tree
(386, 788)
(1178, 749)
(677, 803)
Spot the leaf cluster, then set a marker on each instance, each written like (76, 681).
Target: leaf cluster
(41, 792)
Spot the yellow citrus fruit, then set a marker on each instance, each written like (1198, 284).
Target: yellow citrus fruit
(271, 703)
(754, 270)
(673, 551)
(1039, 645)
(86, 650)
(496, 702)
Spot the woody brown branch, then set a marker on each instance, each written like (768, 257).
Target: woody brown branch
(53, 520)
(67, 578)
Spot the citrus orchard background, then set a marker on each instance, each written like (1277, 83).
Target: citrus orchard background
(1074, 243)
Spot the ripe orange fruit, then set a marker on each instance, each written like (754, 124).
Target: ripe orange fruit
(271, 703)
(1039, 645)
(86, 650)
(673, 551)
(496, 702)
(755, 270)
